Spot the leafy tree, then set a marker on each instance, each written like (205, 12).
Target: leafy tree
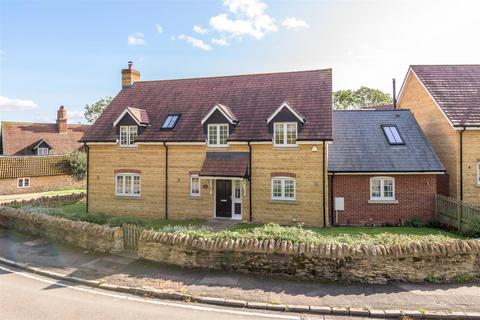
(78, 164)
(93, 111)
(361, 98)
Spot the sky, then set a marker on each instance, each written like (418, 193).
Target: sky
(70, 53)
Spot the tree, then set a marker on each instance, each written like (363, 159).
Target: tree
(93, 111)
(78, 164)
(358, 99)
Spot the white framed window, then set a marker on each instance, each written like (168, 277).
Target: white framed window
(283, 188)
(382, 188)
(194, 185)
(217, 135)
(23, 183)
(127, 184)
(128, 135)
(285, 133)
(42, 151)
(478, 173)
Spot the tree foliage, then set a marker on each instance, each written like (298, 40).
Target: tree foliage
(94, 110)
(358, 99)
(78, 164)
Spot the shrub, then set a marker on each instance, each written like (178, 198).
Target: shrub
(119, 221)
(78, 164)
(414, 222)
(434, 223)
(474, 226)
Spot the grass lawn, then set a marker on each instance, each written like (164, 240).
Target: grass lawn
(371, 231)
(64, 192)
(78, 212)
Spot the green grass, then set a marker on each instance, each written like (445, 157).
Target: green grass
(78, 212)
(64, 192)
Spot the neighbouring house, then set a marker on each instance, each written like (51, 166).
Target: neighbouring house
(382, 168)
(247, 147)
(445, 100)
(34, 156)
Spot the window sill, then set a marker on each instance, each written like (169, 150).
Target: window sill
(278, 201)
(383, 201)
(128, 197)
(285, 147)
(194, 197)
(223, 146)
(128, 147)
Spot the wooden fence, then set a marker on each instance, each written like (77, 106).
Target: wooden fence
(131, 235)
(455, 212)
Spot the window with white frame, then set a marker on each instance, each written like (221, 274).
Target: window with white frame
(42, 151)
(382, 188)
(194, 185)
(23, 183)
(285, 133)
(127, 184)
(128, 135)
(283, 188)
(217, 134)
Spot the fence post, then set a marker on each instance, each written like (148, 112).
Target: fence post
(459, 215)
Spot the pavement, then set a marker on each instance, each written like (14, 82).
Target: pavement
(126, 271)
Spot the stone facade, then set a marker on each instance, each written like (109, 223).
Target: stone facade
(149, 160)
(414, 199)
(82, 234)
(374, 263)
(445, 139)
(41, 184)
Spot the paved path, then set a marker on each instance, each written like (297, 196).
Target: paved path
(136, 273)
(27, 296)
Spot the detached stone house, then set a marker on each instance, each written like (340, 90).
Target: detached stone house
(249, 147)
(33, 156)
(445, 100)
(382, 168)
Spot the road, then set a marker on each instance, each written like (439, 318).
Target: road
(28, 296)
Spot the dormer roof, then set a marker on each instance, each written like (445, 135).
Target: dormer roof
(139, 115)
(286, 105)
(37, 144)
(224, 110)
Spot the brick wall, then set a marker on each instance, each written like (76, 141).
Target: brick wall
(41, 184)
(414, 193)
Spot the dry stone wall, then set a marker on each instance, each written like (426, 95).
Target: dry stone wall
(375, 263)
(47, 201)
(82, 234)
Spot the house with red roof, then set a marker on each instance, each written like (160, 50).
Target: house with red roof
(445, 100)
(247, 147)
(33, 156)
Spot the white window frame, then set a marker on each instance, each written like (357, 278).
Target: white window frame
(22, 184)
(128, 144)
(132, 183)
(42, 151)
(194, 194)
(382, 189)
(217, 126)
(285, 125)
(282, 180)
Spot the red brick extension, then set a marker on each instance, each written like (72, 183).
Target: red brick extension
(415, 195)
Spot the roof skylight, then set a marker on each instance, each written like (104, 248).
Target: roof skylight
(391, 132)
(170, 121)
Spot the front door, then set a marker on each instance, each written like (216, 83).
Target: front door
(223, 195)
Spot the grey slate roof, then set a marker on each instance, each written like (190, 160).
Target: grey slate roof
(359, 144)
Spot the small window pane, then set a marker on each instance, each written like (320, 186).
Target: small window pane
(133, 134)
(128, 184)
(289, 189)
(119, 184)
(212, 135)
(388, 189)
(26, 182)
(376, 188)
(277, 188)
(279, 133)
(136, 185)
(195, 186)
(478, 173)
(238, 192)
(20, 183)
(291, 133)
(223, 134)
(123, 135)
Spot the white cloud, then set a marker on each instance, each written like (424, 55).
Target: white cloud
(294, 23)
(137, 39)
(244, 18)
(200, 30)
(75, 116)
(220, 42)
(8, 104)
(159, 28)
(197, 43)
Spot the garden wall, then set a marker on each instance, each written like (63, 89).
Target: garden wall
(375, 263)
(82, 234)
(47, 201)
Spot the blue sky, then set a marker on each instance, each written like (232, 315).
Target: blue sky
(71, 52)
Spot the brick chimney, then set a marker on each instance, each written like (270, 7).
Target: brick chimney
(62, 120)
(129, 76)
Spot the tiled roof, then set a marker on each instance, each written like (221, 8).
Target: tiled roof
(455, 88)
(18, 136)
(251, 98)
(140, 114)
(33, 166)
(225, 164)
(360, 145)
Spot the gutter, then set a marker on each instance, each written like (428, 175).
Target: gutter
(166, 180)
(461, 163)
(88, 173)
(250, 218)
(323, 188)
(332, 214)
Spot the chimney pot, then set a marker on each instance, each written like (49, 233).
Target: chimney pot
(130, 64)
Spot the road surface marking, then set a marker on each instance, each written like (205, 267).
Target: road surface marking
(164, 303)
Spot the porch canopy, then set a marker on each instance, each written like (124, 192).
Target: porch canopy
(225, 165)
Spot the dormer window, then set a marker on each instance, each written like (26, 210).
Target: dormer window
(217, 135)
(285, 134)
(128, 134)
(42, 151)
